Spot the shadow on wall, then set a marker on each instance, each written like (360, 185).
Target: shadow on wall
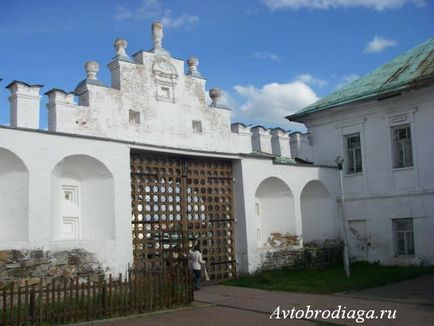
(82, 200)
(274, 208)
(14, 197)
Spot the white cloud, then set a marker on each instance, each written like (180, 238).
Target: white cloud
(266, 55)
(271, 103)
(379, 44)
(346, 79)
(153, 9)
(311, 80)
(330, 4)
(122, 13)
(176, 22)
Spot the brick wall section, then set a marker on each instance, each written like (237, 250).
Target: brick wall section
(38, 265)
(311, 256)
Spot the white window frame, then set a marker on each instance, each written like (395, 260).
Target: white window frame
(349, 128)
(409, 250)
(403, 144)
(351, 152)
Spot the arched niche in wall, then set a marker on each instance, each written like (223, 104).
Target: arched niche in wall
(82, 200)
(14, 197)
(318, 213)
(274, 210)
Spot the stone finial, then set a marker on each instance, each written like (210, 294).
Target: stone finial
(157, 34)
(157, 37)
(92, 68)
(120, 45)
(215, 94)
(192, 67)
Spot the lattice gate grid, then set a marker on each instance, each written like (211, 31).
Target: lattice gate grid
(179, 202)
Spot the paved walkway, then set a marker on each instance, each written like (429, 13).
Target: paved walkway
(419, 291)
(225, 305)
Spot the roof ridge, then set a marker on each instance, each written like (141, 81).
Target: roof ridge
(411, 69)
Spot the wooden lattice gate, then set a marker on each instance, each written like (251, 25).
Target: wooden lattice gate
(180, 202)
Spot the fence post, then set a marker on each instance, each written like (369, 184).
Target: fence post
(103, 298)
(11, 304)
(32, 304)
(4, 307)
(110, 295)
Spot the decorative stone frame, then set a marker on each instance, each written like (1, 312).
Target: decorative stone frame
(70, 209)
(165, 78)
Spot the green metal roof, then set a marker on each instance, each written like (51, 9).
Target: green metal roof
(413, 69)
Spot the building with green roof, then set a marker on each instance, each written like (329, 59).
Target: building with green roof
(411, 70)
(382, 126)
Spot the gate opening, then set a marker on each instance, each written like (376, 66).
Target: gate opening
(178, 202)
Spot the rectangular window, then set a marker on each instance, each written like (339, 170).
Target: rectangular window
(197, 126)
(134, 117)
(402, 150)
(404, 237)
(354, 154)
(165, 92)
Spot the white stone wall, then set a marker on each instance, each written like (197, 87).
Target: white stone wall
(249, 175)
(382, 193)
(70, 187)
(14, 191)
(34, 219)
(102, 171)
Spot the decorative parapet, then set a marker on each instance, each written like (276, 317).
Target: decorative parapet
(153, 86)
(280, 142)
(300, 146)
(241, 128)
(242, 137)
(62, 110)
(24, 104)
(261, 139)
(59, 96)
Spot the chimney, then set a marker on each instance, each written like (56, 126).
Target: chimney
(24, 104)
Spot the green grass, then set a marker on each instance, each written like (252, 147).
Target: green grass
(330, 280)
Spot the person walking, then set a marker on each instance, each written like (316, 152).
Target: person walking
(197, 261)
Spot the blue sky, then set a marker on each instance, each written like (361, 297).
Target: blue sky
(270, 57)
